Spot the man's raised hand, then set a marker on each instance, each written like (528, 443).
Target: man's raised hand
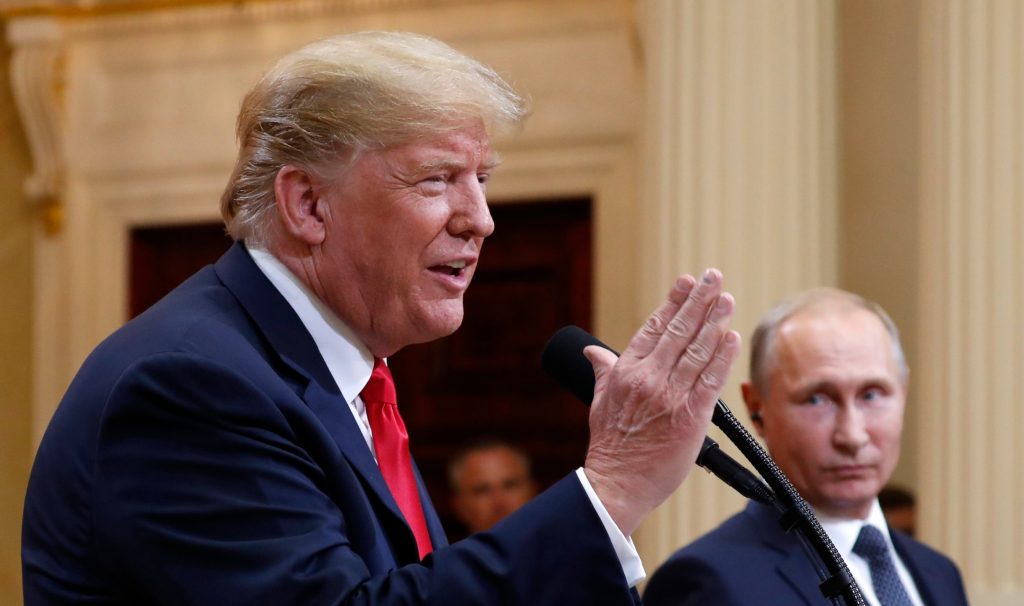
(652, 405)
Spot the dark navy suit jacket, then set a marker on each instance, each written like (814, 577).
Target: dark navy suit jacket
(203, 455)
(749, 559)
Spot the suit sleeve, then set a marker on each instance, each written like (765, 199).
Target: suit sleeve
(686, 581)
(206, 494)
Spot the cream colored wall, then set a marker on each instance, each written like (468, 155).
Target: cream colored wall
(740, 174)
(972, 290)
(16, 227)
(880, 172)
(933, 212)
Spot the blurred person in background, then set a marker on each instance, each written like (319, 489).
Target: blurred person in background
(900, 508)
(489, 479)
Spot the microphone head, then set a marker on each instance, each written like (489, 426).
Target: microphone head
(564, 361)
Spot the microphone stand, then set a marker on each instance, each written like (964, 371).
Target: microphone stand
(837, 582)
(563, 359)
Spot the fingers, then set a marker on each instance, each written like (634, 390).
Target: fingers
(650, 333)
(680, 332)
(711, 381)
(601, 359)
(703, 347)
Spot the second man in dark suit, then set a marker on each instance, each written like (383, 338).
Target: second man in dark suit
(827, 390)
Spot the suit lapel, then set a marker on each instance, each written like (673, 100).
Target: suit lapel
(273, 316)
(438, 538)
(295, 347)
(793, 564)
(927, 578)
(334, 415)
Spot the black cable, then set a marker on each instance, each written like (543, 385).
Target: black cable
(798, 515)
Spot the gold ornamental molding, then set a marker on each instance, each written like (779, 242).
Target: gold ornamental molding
(37, 82)
(82, 17)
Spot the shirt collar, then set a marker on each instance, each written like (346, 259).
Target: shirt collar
(348, 360)
(844, 531)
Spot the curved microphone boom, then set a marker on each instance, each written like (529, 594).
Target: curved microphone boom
(564, 361)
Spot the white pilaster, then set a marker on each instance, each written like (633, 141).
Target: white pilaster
(739, 173)
(972, 330)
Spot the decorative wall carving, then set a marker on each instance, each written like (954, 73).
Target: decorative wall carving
(37, 79)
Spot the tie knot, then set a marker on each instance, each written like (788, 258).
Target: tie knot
(380, 389)
(870, 543)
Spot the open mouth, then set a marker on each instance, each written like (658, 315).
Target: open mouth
(454, 268)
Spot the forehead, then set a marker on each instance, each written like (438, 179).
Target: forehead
(837, 345)
(491, 460)
(468, 146)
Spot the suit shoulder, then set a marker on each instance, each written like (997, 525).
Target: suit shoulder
(737, 534)
(200, 317)
(936, 575)
(921, 551)
(705, 571)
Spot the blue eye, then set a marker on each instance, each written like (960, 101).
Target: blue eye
(815, 398)
(872, 394)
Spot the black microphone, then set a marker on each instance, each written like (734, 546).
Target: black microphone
(564, 361)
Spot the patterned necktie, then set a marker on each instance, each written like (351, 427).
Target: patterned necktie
(391, 443)
(872, 547)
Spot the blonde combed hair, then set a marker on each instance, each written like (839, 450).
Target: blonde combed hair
(328, 101)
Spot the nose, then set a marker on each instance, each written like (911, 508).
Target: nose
(471, 217)
(851, 431)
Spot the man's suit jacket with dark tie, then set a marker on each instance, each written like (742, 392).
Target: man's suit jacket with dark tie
(749, 559)
(203, 455)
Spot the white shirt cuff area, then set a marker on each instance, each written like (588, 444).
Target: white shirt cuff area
(629, 559)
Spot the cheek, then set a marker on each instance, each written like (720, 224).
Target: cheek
(886, 430)
(805, 445)
(418, 223)
(888, 441)
(793, 432)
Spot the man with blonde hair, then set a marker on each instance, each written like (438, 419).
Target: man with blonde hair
(828, 385)
(240, 442)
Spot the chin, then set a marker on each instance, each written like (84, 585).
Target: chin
(438, 323)
(853, 501)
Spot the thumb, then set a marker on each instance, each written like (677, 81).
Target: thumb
(602, 360)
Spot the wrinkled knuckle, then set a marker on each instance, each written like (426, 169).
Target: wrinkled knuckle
(709, 380)
(699, 353)
(654, 325)
(680, 327)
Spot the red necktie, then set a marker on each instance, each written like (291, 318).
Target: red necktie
(391, 443)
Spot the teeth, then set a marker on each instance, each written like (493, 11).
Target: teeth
(456, 264)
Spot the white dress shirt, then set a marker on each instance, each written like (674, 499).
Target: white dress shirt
(844, 532)
(350, 364)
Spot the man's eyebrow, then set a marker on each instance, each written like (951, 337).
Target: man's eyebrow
(814, 387)
(442, 164)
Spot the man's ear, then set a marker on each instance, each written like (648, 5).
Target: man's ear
(300, 208)
(753, 401)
